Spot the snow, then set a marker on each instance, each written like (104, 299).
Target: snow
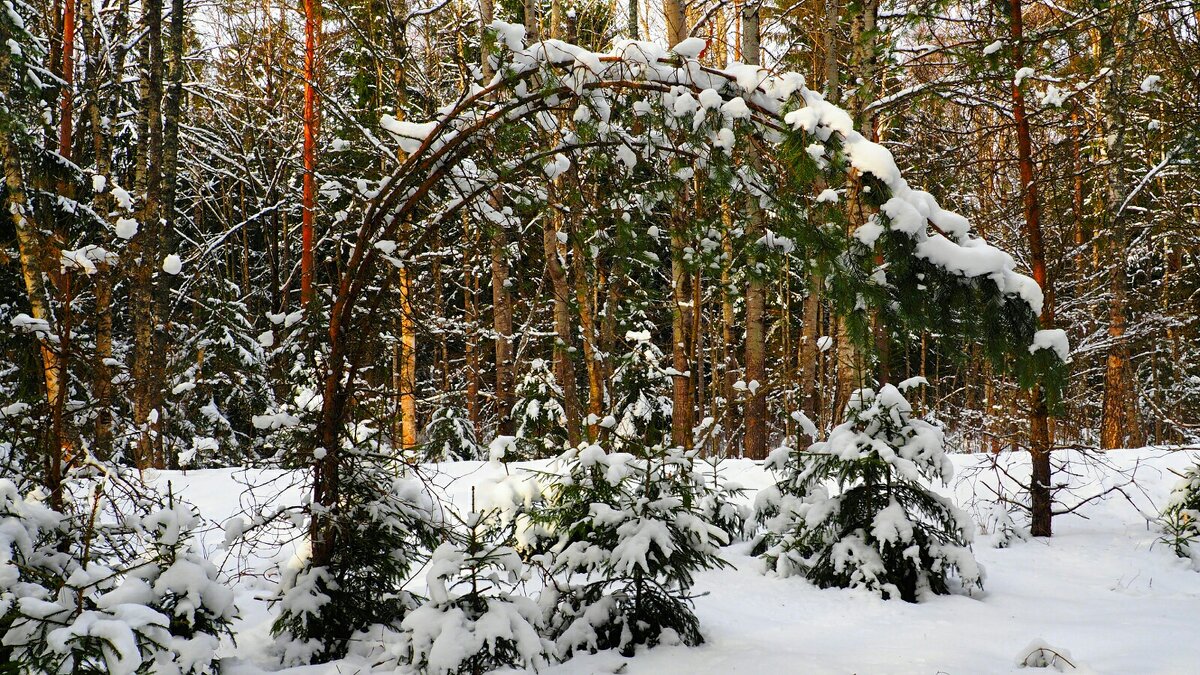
(1054, 339)
(410, 135)
(827, 195)
(993, 48)
(98, 183)
(125, 228)
(1100, 589)
(690, 48)
(1022, 74)
(172, 264)
(1150, 84)
(124, 200)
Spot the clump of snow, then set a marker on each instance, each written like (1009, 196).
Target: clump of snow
(125, 228)
(124, 200)
(690, 48)
(172, 264)
(1150, 84)
(1054, 339)
(410, 135)
(1022, 75)
(993, 48)
(98, 183)
(1039, 654)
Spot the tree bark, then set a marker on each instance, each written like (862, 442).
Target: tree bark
(755, 419)
(145, 246)
(564, 367)
(1119, 423)
(310, 150)
(1040, 441)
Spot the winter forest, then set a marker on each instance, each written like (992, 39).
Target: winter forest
(585, 336)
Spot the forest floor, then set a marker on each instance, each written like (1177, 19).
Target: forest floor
(1101, 589)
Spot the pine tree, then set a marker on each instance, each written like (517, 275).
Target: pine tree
(475, 619)
(623, 533)
(882, 528)
(383, 523)
(1181, 517)
(539, 415)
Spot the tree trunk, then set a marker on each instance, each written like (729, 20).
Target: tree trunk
(564, 367)
(677, 28)
(755, 432)
(1119, 423)
(502, 323)
(681, 323)
(310, 150)
(587, 324)
(145, 246)
(1040, 441)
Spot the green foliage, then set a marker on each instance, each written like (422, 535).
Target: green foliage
(883, 529)
(621, 535)
(541, 423)
(383, 520)
(450, 436)
(1180, 518)
(475, 619)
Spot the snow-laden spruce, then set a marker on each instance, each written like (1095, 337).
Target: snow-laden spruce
(539, 417)
(70, 602)
(1181, 517)
(855, 510)
(476, 618)
(622, 533)
(384, 527)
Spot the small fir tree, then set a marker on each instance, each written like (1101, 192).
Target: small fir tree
(450, 436)
(882, 528)
(1181, 517)
(623, 534)
(541, 419)
(475, 619)
(383, 524)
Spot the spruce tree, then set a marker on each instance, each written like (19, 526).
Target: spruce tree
(386, 522)
(881, 527)
(623, 532)
(1181, 517)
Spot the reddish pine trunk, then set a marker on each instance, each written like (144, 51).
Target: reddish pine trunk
(310, 144)
(68, 75)
(1040, 440)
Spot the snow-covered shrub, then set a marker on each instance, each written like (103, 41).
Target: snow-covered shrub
(538, 414)
(722, 503)
(178, 582)
(622, 534)
(450, 436)
(624, 537)
(882, 528)
(1004, 529)
(68, 609)
(383, 522)
(475, 620)
(1181, 517)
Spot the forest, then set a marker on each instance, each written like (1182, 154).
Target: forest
(452, 336)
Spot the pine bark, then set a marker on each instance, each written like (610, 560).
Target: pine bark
(310, 150)
(1040, 441)
(145, 246)
(755, 412)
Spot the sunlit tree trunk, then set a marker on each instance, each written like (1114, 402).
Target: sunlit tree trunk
(310, 150)
(755, 414)
(1040, 442)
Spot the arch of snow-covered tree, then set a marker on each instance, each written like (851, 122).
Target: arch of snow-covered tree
(672, 146)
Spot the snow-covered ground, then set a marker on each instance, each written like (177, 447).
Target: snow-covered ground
(1100, 589)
